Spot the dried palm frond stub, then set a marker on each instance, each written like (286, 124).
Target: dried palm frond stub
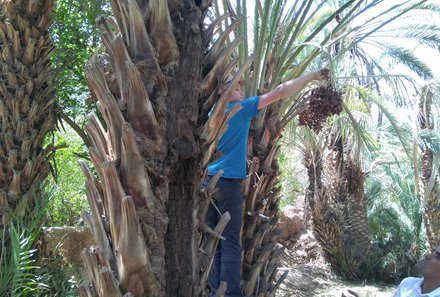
(323, 102)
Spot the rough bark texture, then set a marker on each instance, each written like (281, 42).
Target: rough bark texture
(339, 207)
(26, 103)
(261, 252)
(428, 184)
(147, 209)
(157, 82)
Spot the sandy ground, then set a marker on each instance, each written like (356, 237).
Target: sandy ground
(309, 275)
(310, 279)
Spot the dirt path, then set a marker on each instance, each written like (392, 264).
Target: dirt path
(309, 275)
(310, 279)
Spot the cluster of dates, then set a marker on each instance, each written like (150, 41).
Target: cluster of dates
(323, 102)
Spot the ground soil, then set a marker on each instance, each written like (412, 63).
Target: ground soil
(309, 274)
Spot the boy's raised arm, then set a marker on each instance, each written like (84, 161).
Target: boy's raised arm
(292, 86)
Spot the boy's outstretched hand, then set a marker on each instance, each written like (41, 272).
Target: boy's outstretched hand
(323, 74)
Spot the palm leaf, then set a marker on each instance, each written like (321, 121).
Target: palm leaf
(17, 274)
(407, 57)
(17, 261)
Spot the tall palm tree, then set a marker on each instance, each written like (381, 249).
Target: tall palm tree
(338, 203)
(357, 65)
(155, 84)
(27, 103)
(287, 42)
(429, 155)
(394, 212)
(154, 87)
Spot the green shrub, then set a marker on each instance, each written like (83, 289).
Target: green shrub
(395, 223)
(18, 269)
(290, 177)
(67, 189)
(61, 280)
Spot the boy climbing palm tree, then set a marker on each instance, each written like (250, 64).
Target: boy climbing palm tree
(228, 197)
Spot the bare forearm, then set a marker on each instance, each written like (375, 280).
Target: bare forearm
(288, 88)
(292, 86)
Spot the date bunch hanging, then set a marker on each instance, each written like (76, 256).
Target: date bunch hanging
(323, 102)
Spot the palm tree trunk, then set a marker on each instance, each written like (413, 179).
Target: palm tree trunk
(147, 208)
(339, 206)
(262, 195)
(26, 104)
(428, 184)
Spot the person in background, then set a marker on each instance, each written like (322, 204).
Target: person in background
(428, 285)
(228, 196)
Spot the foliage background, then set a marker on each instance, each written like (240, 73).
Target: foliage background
(393, 202)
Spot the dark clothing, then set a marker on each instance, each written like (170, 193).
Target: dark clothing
(228, 198)
(227, 260)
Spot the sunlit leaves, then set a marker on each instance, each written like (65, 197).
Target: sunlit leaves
(75, 37)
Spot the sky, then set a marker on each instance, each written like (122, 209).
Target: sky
(429, 56)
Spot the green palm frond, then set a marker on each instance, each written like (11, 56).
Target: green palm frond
(430, 139)
(432, 8)
(426, 34)
(372, 33)
(399, 227)
(18, 271)
(407, 57)
(397, 195)
(307, 140)
(406, 143)
(406, 196)
(386, 17)
(23, 260)
(373, 25)
(375, 73)
(354, 128)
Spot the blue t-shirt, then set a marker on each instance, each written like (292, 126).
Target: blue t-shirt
(233, 143)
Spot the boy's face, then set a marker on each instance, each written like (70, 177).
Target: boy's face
(237, 93)
(429, 266)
